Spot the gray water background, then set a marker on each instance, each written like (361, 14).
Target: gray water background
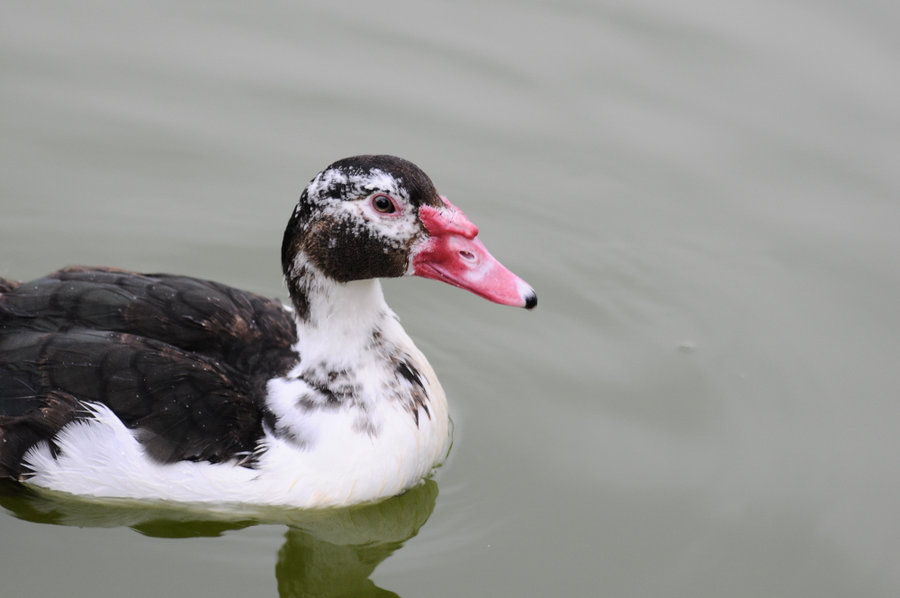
(706, 196)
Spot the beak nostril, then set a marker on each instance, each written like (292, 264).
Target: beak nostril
(467, 255)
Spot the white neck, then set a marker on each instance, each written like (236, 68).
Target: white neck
(341, 320)
(362, 414)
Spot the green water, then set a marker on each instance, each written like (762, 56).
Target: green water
(705, 196)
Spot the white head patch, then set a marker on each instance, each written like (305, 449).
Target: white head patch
(342, 192)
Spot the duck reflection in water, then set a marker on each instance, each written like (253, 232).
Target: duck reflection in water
(329, 552)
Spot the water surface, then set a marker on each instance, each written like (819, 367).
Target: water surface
(704, 195)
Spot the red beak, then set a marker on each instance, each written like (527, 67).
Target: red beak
(453, 255)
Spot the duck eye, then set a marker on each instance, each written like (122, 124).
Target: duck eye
(384, 204)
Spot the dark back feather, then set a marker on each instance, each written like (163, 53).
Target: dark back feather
(183, 360)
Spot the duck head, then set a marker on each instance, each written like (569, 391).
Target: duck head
(378, 216)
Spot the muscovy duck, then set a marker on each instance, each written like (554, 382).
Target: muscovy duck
(155, 386)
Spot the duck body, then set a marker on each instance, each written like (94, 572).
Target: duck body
(154, 386)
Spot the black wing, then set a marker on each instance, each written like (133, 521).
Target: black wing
(183, 360)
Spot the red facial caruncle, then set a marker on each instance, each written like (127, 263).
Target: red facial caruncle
(454, 255)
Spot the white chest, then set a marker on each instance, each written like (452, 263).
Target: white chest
(355, 434)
